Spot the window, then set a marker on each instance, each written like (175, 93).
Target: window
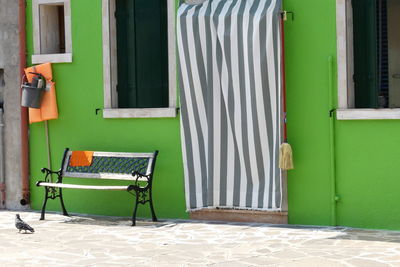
(52, 31)
(368, 56)
(139, 58)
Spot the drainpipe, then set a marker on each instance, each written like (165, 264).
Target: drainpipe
(332, 143)
(24, 111)
(2, 178)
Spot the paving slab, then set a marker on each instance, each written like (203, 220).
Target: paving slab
(82, 240)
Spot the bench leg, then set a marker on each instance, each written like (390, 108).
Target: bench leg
(153, 214)
(135, 209)
(46, 196)
(65, 213)
(53, 196)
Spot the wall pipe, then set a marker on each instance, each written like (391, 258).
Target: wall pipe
(2, 177)
(332, 142)
(24, 111)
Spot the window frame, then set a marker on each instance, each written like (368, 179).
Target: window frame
(110, 75)
(345, 68)
(37, 56)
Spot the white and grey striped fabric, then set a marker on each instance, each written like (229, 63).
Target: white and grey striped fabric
(230, 80)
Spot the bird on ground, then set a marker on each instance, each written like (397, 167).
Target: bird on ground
(21, 225)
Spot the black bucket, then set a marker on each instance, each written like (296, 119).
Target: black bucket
(32, 93)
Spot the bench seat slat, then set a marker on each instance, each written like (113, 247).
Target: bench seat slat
(111, 176)
(76, 186)
(122, 154)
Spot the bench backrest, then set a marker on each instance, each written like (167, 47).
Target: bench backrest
(111, 165)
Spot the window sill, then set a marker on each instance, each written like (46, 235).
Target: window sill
(368, 114)
(139, 113)
(52, 58)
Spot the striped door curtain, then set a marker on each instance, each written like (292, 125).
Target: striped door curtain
(230, 80)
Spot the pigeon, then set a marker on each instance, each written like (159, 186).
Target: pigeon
(21, 225)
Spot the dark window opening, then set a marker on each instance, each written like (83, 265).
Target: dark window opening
(52, 29)
(2, 78)
(376, 43)
(142, 56)
(61, 28)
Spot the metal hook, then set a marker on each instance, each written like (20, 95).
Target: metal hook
(285, 13)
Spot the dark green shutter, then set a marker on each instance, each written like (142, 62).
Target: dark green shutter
(142, 49)
(365, 54)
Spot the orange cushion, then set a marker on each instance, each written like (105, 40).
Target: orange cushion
(81, 158)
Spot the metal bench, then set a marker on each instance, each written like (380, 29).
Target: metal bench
(135, 167)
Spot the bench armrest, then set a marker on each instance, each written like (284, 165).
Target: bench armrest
(139, 175)
(48, 171)
(136, 186)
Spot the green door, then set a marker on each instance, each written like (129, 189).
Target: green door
(142, 53)
(365, 54)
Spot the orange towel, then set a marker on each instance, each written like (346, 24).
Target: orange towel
(48, 109)
(81, 158)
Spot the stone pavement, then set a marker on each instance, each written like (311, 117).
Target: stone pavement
(110, 241)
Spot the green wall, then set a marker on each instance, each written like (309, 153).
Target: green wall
(367, 152)
(79, 92)
(369, 173)
(310, 39)
(367, 158)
